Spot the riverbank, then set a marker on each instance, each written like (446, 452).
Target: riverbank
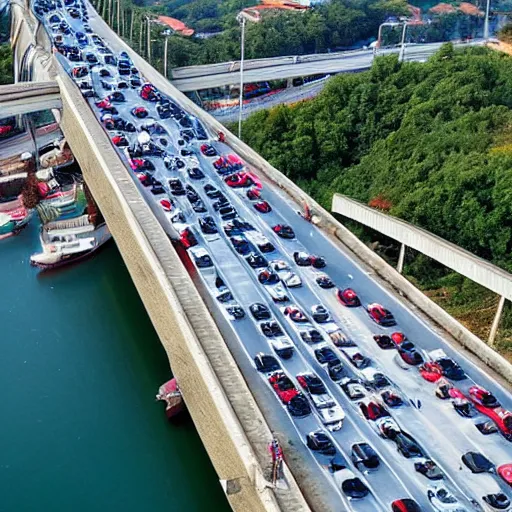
(81, 364)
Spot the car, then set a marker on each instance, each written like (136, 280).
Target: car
(505, 472)
(284, 231)
(192, 195)
(266, 363)
(271, 329)
(391, 399)
(148, 92)
(195, 173)
(208, 150)
(429, 469)
(302, 259)
(120, 141)
(283, 386)
(442, 500)
(198, 206)
(139, 112)
(348, 297)
(311, 383)
(336, 370)
(282, 347)
(91, 58)
(353, 388)
(188, 238)
(356, 358)
(222, 202)
(227, 212)
(256, 260)
(319, 441)
(384, 341)
(324, 281)
(260, 241)
(478, 463)
(295, 314)
(449, 368)
(325, 354)
(259, 311)
(278, 293)
(461, 404)
(380, 315)
(201, 258)
(236, 311)
(291, 280)
(263, 207)
(431, 371)
(407, 446)
(207, 225)
(483, 398)
(497, 501)
(373, 410)
(364, 457)
(311, 336)
(398, 337)
(239, 180)
(211, 191)
(253, 194)
(409, 353)
(405, 505)
(320, 314)
(375, 379)
(349, 484)
(267, 276)
(240, 244)
(236, 227)
(299, 406)
(176, 187)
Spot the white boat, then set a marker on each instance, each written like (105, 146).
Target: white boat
(67, 241)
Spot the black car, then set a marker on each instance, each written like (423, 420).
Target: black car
(163, 110)
(498, 501)
(237, 226)
(320, 314)
(299, 406)
(384, 341)
(284, 231)
(311, 336)
(429, 469)
(260, 311)
(227, 212)
(391, 399)
(240, 244)
(312, 384)
(267, 276)
(325, 354)
(325, 282)
(266, 364)
(110, 59)
(198, 206)
(271, 329)
(354, 488)
(221, 202)
(478, 463)
(318, 441)
(364, 457)
(237, 312)
(195, 173)
(212, 192)
(192, 195)
(207, 225)
(256, 260)
(176, 187)
(336, 370)
(91, 58)
(451, 370)
(407, 446)
(409, 353)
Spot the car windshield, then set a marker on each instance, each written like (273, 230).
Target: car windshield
(316, 386)
(285, 383)
(444, 496)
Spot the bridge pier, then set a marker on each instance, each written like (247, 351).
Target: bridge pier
(496, 322)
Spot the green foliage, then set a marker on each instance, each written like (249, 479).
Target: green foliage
(505, 34)
(434, 139)
(6, 69)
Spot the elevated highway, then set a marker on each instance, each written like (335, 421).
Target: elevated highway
(193, 78)
(234, 409)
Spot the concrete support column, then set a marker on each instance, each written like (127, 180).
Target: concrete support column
(401, 258)
(289, 83)
(496, 321)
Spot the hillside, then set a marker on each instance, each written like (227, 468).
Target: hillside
(430, 142)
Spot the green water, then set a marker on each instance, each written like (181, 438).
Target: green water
(80, 364)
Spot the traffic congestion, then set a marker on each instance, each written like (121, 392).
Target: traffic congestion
(394, 418)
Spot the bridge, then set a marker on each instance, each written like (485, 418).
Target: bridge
(193, 78)
(234, 409)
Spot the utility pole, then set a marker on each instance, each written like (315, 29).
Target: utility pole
(402, 44)
(131, 26)
(166, 33)
(486, 22)
(141, 29)
(118, 17)
(109, 12)
(242, 51)
(149, 39)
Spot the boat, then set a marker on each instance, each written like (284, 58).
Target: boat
(13, 217)
(171, 395)
(67, 241)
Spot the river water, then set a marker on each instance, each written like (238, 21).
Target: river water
(80, 364)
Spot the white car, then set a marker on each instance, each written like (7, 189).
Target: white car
(283, 347)
(332, 416)
(277, 293)
(279, 265)
(291, 280)
(443, 500)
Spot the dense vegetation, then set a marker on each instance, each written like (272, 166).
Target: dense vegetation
(431, 143)
(6, 70)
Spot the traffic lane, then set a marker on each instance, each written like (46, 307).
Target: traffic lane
(346, 272)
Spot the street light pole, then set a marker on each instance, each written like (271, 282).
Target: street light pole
(402, 44)
(486, 22)
(242, 51)
(166, 34)
(149, 39)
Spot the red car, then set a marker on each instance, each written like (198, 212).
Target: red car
(485, 403)
(398, 337)
(284, 231)
(239, 180)
(104, 103)
(253, 194)
(139, 112)
(5, 130)
(348, 297)
(482, 397)
(166, 204)
(431, 371)
(208, 150)
(148, 92)
(187, 238)
(373, 411)
(283, 386)
(120, 141)
(295, 314)
(505, 471)
(380, 315)
(263, 207)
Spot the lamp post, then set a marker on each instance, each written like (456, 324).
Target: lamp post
(402, 44)
(149, 39)
(241, 19)
(166, 34)
(486, 22)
